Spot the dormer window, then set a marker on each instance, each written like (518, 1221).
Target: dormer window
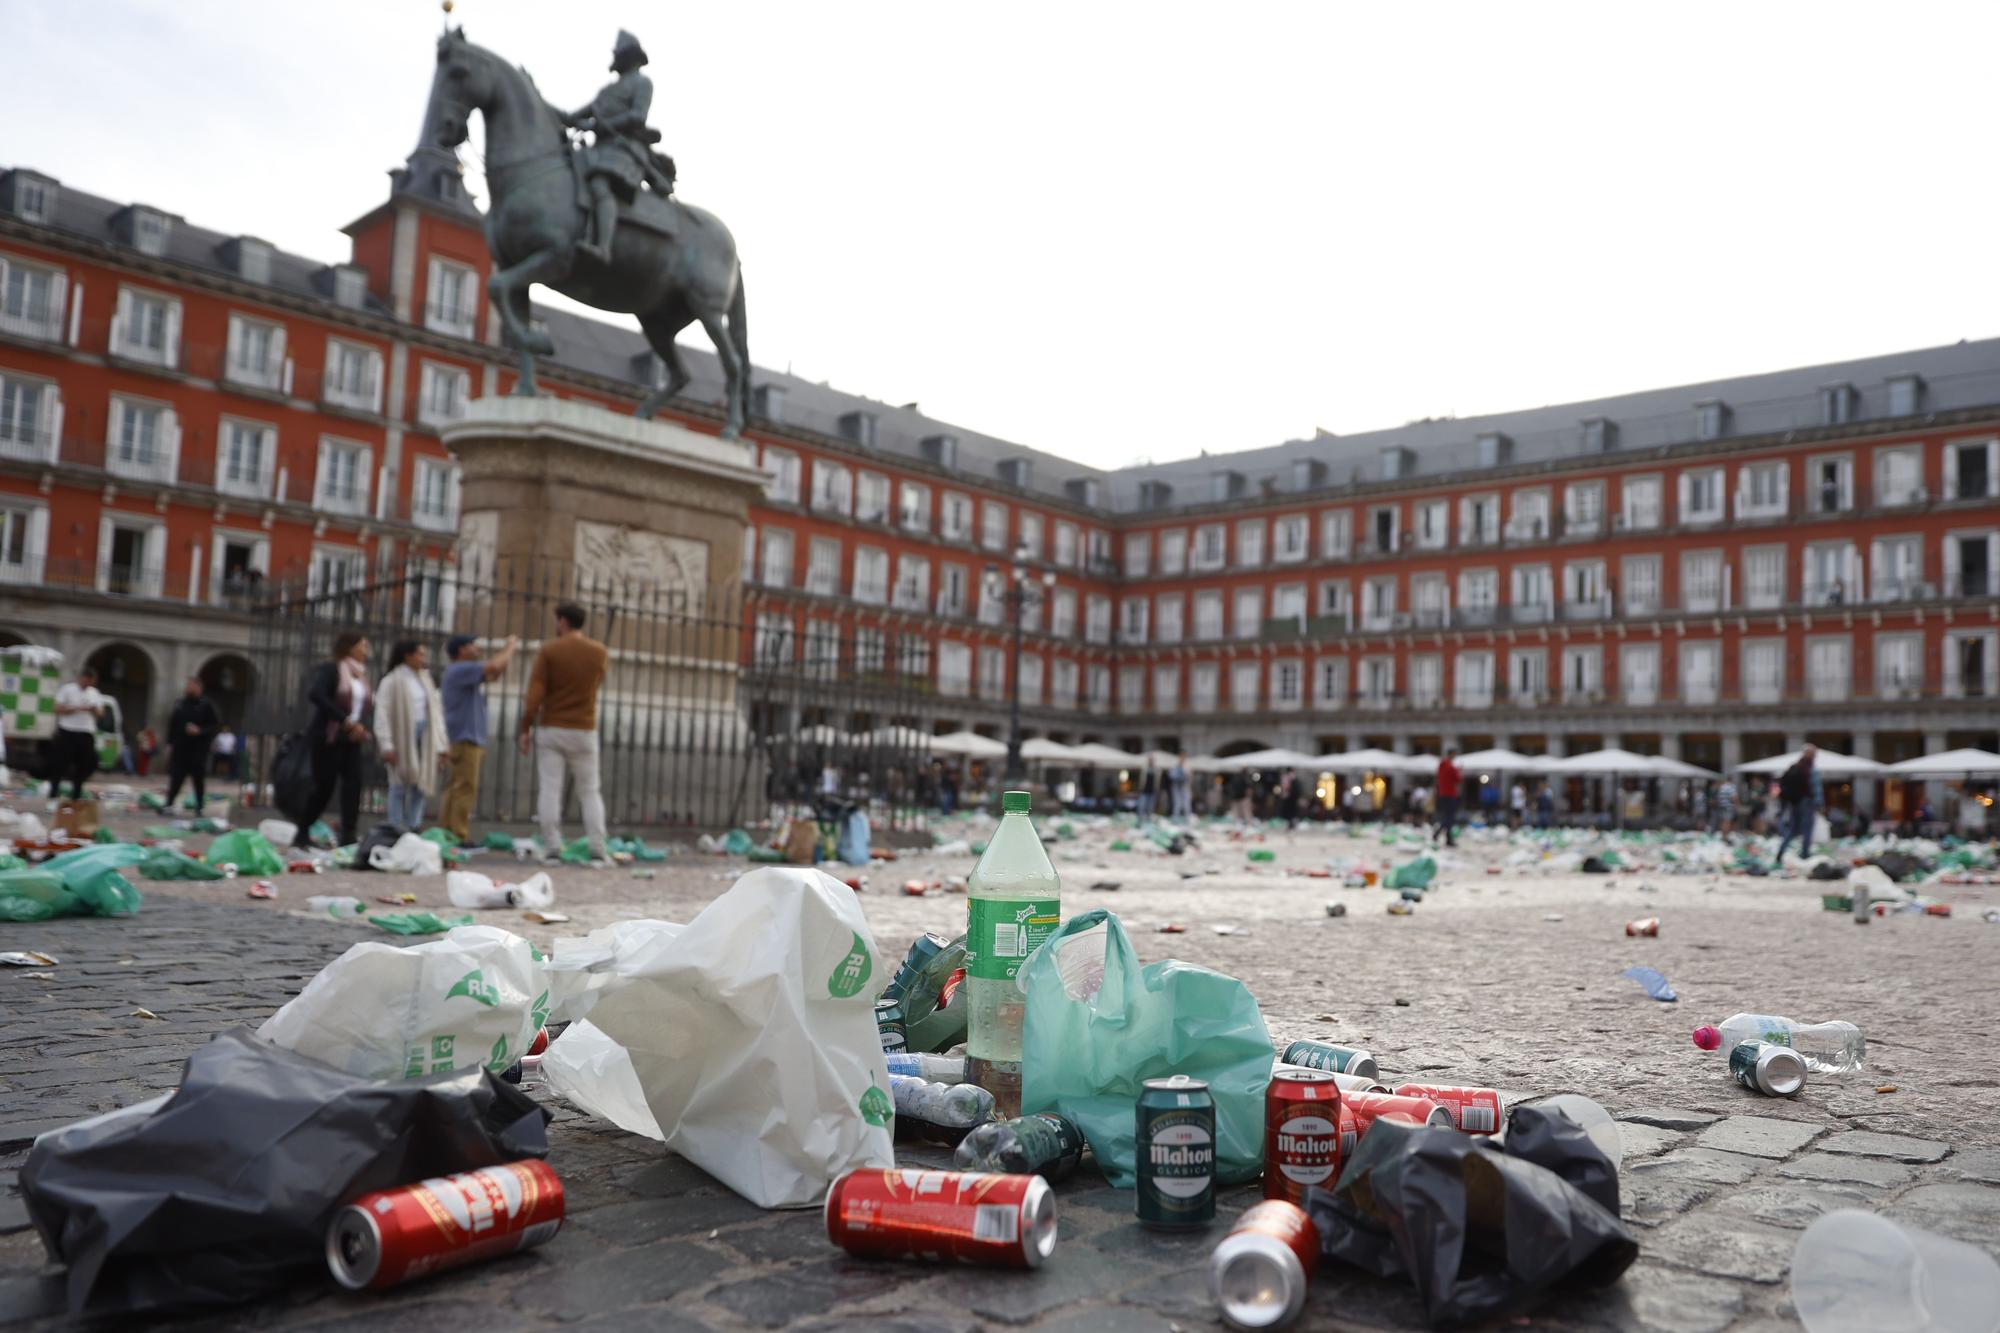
(942, 450)
(1906, 393)
(1495, 449)
(1226, 485)
(350, 286)
(1711, 419)
(859, 427)
(1308, 474)
(1016, 471)
(29, 197)
(1836, 404)
(451, 304)
(1083, 490)
(1397, 463)
(1599, 434)
(150, 231)
(249, 258)
(768, 400)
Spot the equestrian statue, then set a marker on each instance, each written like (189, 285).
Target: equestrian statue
(597, 222)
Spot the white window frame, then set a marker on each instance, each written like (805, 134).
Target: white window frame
(1824, 682)
(952, 587)
(1432, 523)
(1639, 584)
(269, 373)
(1583, 508)
(913, 508)
(1685, 512)
(1287, 685)
(1815, 497)
(256, 487)
(1210, 615)
(1065, 552)
(1951, 469)
(777, 558)
(1173, 550)
(165, 464)
(871, 575)
(1639, 502)
(1246, 611)
(1951, 682)
(1527, 676)
(31, 519)
(431, 381)
(1336, 534)
(1131, 689)
(1637, 686)
(1700, 596)
(1700, 687)
(434, 503)
(1891, 578)
(1329, 682)
(1472, 679)
(31, 437)
(1772, 477)
(1478, 595)
(823, 566)
(1138, 554)
(325, 499)
(786, 473)
(459, 318)
(152, 573)
(955, 516)
(1522, 582)
(912, 589)
(1250, 543)
(992, 684)
(334, 390)
(1378, 604)
(1170, 617)
(1755, 689)
(1133, 613)
(832, 487)
(126, 319)
(1528, 515)
(1062, 613)
(1763, 596)
(23, 323)
(954, 669)
(871, 497)
(1890, 493)
(1582, 673)
(871, 651)
(993, 525)
(1063, 680)
(1246, 685)
(1031, 679)
(1204, 687)
(326, 560)
(219, 542)
(1426, 680)
(1209, 548)
(1896, 679)
(1166, 684)
(1097, 619)
(1375, 681)
(1029, 541)
(1472, 532)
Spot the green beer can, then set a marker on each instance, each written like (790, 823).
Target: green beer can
(1174, 1152)
(1768, 1067)
(1333, 1059)
(889, 1022)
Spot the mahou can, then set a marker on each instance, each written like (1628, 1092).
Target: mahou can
(391, 1236)
(1473, 1110)
(1370, 1106)
(1004, 1221)
(1259, 1273)
(1334, 1059)
(1302, 1144)
(1175, 1151)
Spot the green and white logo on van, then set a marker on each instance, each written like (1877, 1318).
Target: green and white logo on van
(475, 987)
(852, 974)
(876, 1108)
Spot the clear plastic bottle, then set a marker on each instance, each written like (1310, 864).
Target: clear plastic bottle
(340, 909)
(1042, 1144)
(1828, 1048)
(935, 1068)
(951, 1105)
(1014, 902)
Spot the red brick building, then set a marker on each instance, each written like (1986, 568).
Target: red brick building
(1715, 571)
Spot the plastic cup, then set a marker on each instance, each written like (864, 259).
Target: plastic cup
(1596, 1122)
(1855, 1272)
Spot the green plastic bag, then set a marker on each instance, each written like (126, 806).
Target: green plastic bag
(417, 923)
(207, 825)
(498, 842)
(160, 831)
(576, 853)
(9, 861)
(166, 863)
(248, 850)
(35, 895)
(636, 849)
(446, 842)
(321, 833)
(149, 801)
(105, 836)
(768, 856)
(737, 843)
(86, 883)
(1416, 874)
(1085, 1053)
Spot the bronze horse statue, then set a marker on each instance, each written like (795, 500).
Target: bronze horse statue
(671, 264)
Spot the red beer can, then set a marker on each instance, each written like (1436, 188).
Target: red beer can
(1301, 1133)
(1646, 925)
(1473, 1110)
(390, 1236)
(1258, 1274)
(1005, 1221)
(1367, 1106)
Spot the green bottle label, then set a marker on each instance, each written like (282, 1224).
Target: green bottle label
(1001, 932)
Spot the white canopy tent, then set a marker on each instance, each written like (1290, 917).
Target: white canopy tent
(1267, 759)
(897, 737)
(1950, 764)
(1622, 762)
(825, 735)
(1096, 754)
(1830, 764)
(1680, 768)
(1042, 750)
(1503, 761)
(1375, 761)
(970, 744)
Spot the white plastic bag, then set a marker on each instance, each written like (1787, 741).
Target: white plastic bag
(475, 997)
(749, 1033)
(469, 888)
(280, 833)
(410, 855)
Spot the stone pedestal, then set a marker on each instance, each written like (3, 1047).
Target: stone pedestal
(552, 482)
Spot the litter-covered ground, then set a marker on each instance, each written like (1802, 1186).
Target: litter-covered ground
(1506, 972)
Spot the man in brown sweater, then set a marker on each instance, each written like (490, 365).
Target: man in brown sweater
(560, 720)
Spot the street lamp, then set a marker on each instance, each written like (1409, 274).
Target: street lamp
(1017, 588)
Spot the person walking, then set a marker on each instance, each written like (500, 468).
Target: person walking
(77, 705)
(191, 729)
(226, 745)
(1288, 798)
(342, 707)
(409, 733)
(1796, 808)
(1545, 805)
(1448, 780)
(1237, 788)
(1517, 804)
(1149, 792)
(466, 676)
(559, 723)
(1182, 786)
(1723, 808)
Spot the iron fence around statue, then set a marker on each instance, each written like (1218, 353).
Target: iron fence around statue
(719, 708)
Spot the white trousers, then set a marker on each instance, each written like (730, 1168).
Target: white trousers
(560, 749)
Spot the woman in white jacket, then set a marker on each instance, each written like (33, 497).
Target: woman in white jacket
(409, 732)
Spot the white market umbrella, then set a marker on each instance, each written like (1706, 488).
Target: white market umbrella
(1680, 768)
(1606, 761)
(1505, 761)
(1096, 754)
(1830, 764)
(1207, 763)
(897, 738)
(1269, 759)
(1372, 761)
(968, 743)
(1950, 764)
(1042, 750)
(1164, 759)
(825, 735)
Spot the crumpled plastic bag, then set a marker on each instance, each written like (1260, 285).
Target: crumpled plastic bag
(1098, 1025)
(169, 863)
(278, 832)
(411, 854)
(84, 882)
(248, 850)
(1482, 1232)
(1416, 874)
(222, 1191)
(416, 923)
(476, 997)
(749, 1034)
(469, 888)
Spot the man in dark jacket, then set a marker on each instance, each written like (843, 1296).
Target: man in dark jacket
(1796, 803)
(190, 731)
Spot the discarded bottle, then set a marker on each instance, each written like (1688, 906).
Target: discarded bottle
(340, 909)
(1014, 902)
(1043, 1144)
(936, 1068)
(923, 973)
(1828, 1048)
(1855, 1272)
(952, 1105)
(1769, 1067)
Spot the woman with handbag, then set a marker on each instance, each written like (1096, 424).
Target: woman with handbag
(409, 731)
(338, 731)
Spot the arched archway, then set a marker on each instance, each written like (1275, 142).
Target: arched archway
(1234, 748)
(127, 673)
(227, 679)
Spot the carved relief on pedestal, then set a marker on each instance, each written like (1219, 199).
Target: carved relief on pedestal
(674, 564)
(478, 544)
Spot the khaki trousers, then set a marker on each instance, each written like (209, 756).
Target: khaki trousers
(461, 789)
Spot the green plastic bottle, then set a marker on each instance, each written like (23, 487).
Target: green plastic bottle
(1014, 902)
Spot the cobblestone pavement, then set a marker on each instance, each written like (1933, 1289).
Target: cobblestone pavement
(1717, 1181)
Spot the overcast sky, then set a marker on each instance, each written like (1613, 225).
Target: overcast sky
(1139, 230)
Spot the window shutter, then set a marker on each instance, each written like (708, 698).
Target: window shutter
(122, 320)
(3, 273)
(171, 425)
(278, 356)
(1950, 471)
(451, 495)
(1992, 468)
(320, 469)
(76, 314)
(58, 301)
(234, 351)
(173, 352)
(103, 554)
(364, 475)
(55, 427)
(38, 535)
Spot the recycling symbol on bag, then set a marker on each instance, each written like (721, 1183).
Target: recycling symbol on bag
(876, 1108)
(852, 973)
(475, 987)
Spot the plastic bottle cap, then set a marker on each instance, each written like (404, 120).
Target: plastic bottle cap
(1016, 802)
(1708, 1036)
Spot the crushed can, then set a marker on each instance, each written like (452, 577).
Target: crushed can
(391, 1236)
(1648, 926)
(1259, 1273)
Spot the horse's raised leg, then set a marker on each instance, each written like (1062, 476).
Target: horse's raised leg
(734, 370)
(508, 290)
(660, 327)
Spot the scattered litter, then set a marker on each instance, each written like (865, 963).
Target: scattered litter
(1557, 916)
(28, 958)
(1652, 982)
(1887, 1087)
(545, 918)
(397, 899)
(1173, 930)
(144, 1013)
(416, 923)
(1230, 930)
(1400, 908)
(1401, 1003)
(263, 889)
(1105, 886)
(1647, 927)
(1336, 909)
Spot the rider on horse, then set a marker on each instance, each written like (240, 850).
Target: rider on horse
(622, 157)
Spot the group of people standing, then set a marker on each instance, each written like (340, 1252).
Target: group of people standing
(433, 731)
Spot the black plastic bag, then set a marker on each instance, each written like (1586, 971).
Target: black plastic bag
(382, 835)
(1899, 866)
(292, 777)
(1829, 870)
(1594, 865)
(222, 1191)
(1482, 1232)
